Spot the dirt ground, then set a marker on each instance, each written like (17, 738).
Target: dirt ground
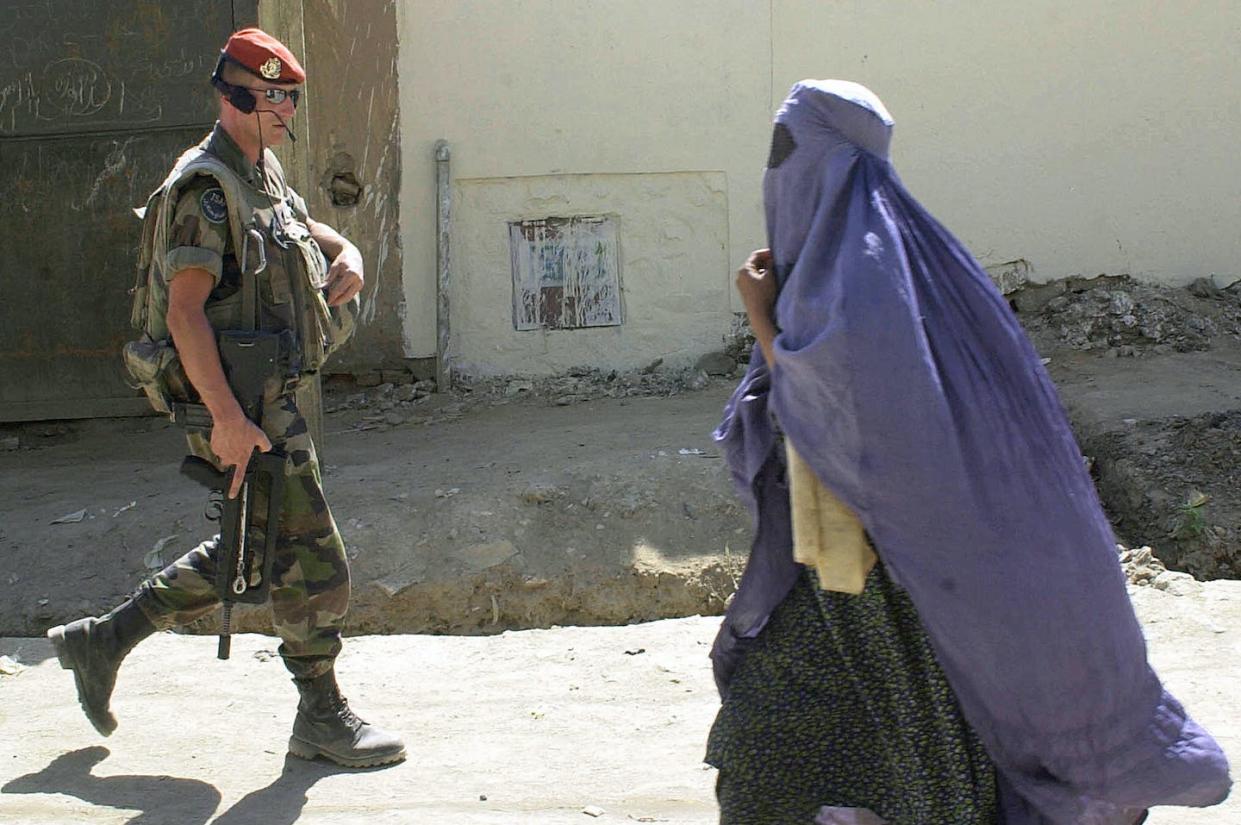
(1152, 380)
(522, 727)
(496, 510)
(520, 514)
(588, 499)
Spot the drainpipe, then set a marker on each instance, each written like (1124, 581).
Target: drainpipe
(443, 205)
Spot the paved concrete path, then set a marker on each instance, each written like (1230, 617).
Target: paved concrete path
(542, 723)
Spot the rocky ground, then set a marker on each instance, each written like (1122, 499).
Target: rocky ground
(1163, 425)
(517, 514)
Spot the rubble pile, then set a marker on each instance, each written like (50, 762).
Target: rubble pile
(1120, 317)
(587, 383)
(396, 403)
(1144, 569)
(578, 384)
(383, 398)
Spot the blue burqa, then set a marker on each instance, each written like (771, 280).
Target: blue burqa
(904, 380)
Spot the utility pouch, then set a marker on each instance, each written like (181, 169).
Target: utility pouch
(326, 328)
(155, 368)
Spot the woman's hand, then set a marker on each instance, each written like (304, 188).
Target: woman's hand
(756, 281)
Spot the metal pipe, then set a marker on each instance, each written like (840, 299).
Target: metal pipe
(443, 208)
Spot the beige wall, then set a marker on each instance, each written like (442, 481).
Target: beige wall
(673, 238)
(1082, 137)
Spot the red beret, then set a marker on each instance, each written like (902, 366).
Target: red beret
(264, 56)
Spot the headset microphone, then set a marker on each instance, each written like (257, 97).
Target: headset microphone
(242, 99)
(288, 130)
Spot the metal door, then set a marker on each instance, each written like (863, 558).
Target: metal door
(96, 101)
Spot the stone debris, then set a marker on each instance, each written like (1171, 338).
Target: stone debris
(739, 342)
(385, 397)
(576, 386)
(387, 390)
(1140, 565)
(1123, 318)
(1177, 584)
(540, 493)
(518, 387)
(717, 363)
(1010, 276)
(1144, 569)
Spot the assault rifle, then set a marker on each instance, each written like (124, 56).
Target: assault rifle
(244, 567)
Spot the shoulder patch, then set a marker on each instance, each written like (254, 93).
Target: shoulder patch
(214, 205)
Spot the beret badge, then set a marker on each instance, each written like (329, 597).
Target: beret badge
(270, 68)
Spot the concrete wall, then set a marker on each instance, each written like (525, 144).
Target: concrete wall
(673, 237)
(584, 93)
(349, 132)
(1083, 138)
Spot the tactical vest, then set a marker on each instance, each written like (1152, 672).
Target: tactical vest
(283, 274)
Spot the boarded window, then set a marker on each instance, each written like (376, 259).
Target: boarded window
(565, 273)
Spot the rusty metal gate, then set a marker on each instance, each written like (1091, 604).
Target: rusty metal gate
(96, 101)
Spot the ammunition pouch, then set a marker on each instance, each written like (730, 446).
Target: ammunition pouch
(155, 368)
(326, 328)
(268, 363)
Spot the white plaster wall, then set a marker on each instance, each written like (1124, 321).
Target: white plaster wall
(673, 228)
(1087, 137)
(567, 87)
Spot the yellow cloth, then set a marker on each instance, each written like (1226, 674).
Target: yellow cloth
(826, 534)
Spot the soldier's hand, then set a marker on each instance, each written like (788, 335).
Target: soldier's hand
(234, 441)
(344, 276)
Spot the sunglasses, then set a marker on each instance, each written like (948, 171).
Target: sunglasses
(277, 96)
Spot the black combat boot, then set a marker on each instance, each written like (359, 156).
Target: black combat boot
(93, 649)
(325, 726)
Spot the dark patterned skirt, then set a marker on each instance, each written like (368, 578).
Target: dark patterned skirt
(840, 703)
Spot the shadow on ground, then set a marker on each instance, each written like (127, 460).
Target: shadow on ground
(281, 802)
(160, 800)
(169, 800)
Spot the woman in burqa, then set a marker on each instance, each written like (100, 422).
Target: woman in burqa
(989, 667)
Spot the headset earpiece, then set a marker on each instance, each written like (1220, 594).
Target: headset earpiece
(241, 98)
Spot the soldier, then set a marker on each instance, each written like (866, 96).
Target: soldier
(235, 249)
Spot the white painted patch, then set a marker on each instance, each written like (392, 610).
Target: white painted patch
(671, 255)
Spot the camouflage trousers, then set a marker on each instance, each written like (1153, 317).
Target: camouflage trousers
(310, 572)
